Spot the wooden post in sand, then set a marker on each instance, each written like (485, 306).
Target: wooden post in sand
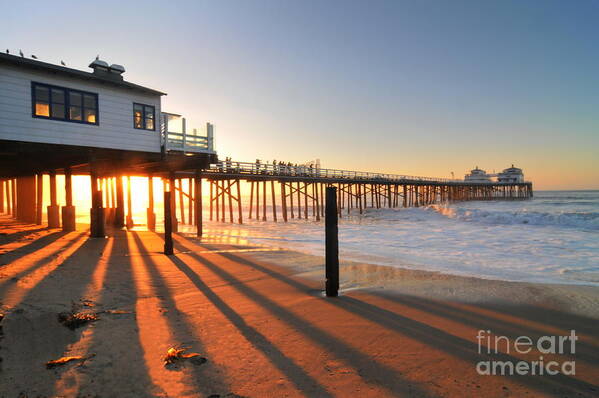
(331, 244)
(168, 221)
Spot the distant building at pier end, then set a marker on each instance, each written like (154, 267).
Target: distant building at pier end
(511, 175)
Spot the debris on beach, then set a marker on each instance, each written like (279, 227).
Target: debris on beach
(74, 320)
(117, 312)
(64, 360)
(174, 355)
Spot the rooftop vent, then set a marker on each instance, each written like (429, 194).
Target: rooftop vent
(102, 69)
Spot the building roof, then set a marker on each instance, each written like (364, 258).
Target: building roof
(64, 71)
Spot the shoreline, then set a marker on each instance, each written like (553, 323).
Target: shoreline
(436, 284)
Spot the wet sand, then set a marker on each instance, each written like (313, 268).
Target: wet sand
(262, 323)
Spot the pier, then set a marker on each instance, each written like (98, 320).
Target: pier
(277, 193)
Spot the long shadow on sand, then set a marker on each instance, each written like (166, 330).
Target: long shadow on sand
(437, 338)
(295, 373)
(15, 236)
(122, 362)
(43, 261)
(177, 323)
(63, 285)
(34, 245)
(368, 368)
(584, 351)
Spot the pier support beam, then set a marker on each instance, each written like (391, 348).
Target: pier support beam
(151, 216)
(39, 198)
(172, 203)
(198, 204)
(129, 220)
(1, 196)
(96, 211)
(53, 210)
(168, 219)
(26, 199)
(119, 215)
(68, 211)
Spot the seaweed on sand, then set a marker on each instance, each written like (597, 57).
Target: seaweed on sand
(74, 320)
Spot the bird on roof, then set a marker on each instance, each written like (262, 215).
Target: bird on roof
(97, 57)
(62, 63)
(21, 53)
(33, 56)
(8, 52)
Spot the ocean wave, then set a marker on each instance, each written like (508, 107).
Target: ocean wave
(584, 220)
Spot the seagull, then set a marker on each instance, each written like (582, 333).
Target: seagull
(62, 63)
(21, 53)
(97, 57)
(8, 52)
(33, 56)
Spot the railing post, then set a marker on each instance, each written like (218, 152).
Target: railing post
(184, 132)
(331, 244)
(210, 135)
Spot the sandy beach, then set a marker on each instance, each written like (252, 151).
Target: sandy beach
(260, 320)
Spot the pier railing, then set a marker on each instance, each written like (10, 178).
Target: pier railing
(175, 136)
(248, 168)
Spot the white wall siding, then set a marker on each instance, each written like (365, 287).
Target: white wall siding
(115, 112)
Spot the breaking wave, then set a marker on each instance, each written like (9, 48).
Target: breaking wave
(582, 220)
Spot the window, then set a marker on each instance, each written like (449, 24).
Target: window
(60, 103)
(143, 116)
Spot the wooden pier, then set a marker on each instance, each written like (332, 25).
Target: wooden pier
(277, 193)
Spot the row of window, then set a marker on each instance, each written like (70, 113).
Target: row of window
(60, 103)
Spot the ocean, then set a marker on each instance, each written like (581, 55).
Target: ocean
(552, 238)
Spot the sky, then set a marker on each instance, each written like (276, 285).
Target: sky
(410, 87)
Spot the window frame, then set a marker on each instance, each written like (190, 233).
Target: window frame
(144, 117)
(67, 103)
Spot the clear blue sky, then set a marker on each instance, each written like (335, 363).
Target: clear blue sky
(416, 87)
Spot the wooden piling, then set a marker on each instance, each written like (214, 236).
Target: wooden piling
(68, 211)
(283, 202)
(53, 210)
(239, 202)
(119, 216)
(274, 204)
(190, 201)
(168, 227)
(331, 244)
(198, 204)
(39, 198)
(173, 203)
(212, 198)
(129, 222)
(1, 196)
(264, 201)
(251, 198)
